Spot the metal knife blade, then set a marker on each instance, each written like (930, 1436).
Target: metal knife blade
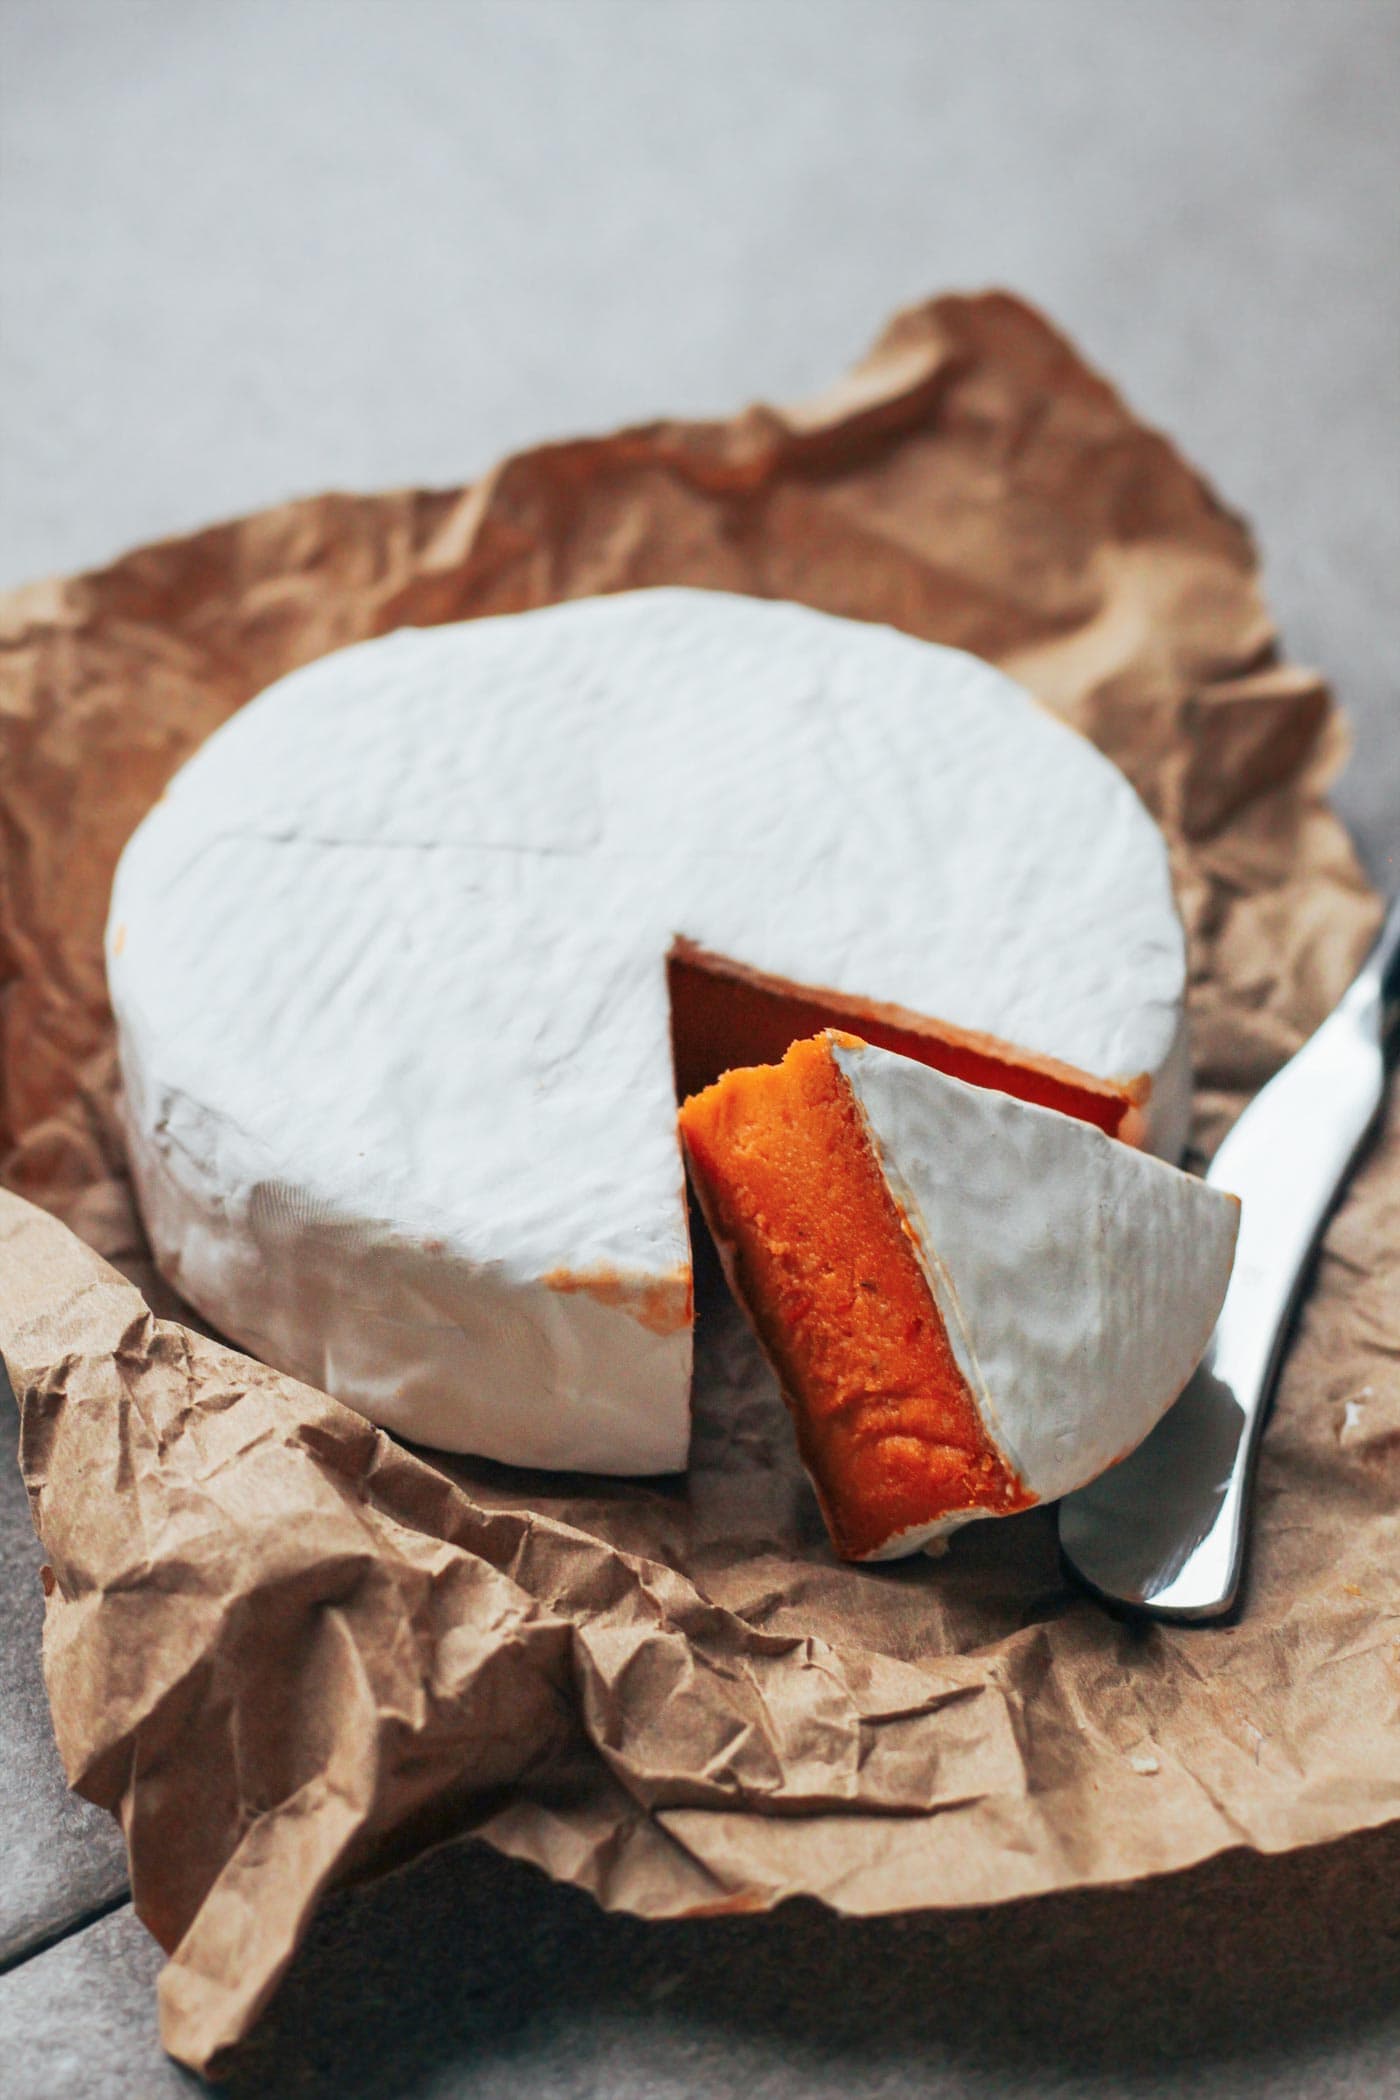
(1164, 1532)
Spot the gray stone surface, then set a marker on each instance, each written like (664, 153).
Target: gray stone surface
(470, 1975)
(60, 1858)
(253, 249)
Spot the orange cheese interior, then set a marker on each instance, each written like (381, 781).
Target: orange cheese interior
(723, 1015)
(825, 1262)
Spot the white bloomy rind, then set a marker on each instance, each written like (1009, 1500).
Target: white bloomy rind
(1079, 1280)
(388, 966)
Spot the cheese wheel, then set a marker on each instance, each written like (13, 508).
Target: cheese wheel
(393, 963)
(973, 1303)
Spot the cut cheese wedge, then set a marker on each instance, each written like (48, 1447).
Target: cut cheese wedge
(401, 960)
(973, 1304)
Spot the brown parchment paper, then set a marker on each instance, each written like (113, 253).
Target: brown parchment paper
(285, 1650)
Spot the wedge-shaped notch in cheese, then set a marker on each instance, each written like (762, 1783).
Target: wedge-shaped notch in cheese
(407, 961)
(972, 1303)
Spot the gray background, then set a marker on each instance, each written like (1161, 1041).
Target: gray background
(249, 250)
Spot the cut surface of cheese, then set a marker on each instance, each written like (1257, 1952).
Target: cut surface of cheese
(723, 1015)
(394, 963)
(972, 1303)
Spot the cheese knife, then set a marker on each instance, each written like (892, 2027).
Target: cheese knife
(1164, 1532)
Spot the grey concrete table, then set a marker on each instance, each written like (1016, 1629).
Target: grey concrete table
(259, 247)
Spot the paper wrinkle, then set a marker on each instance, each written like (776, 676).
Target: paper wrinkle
(287, 1651)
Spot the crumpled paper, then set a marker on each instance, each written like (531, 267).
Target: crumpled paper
(286, 1651)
